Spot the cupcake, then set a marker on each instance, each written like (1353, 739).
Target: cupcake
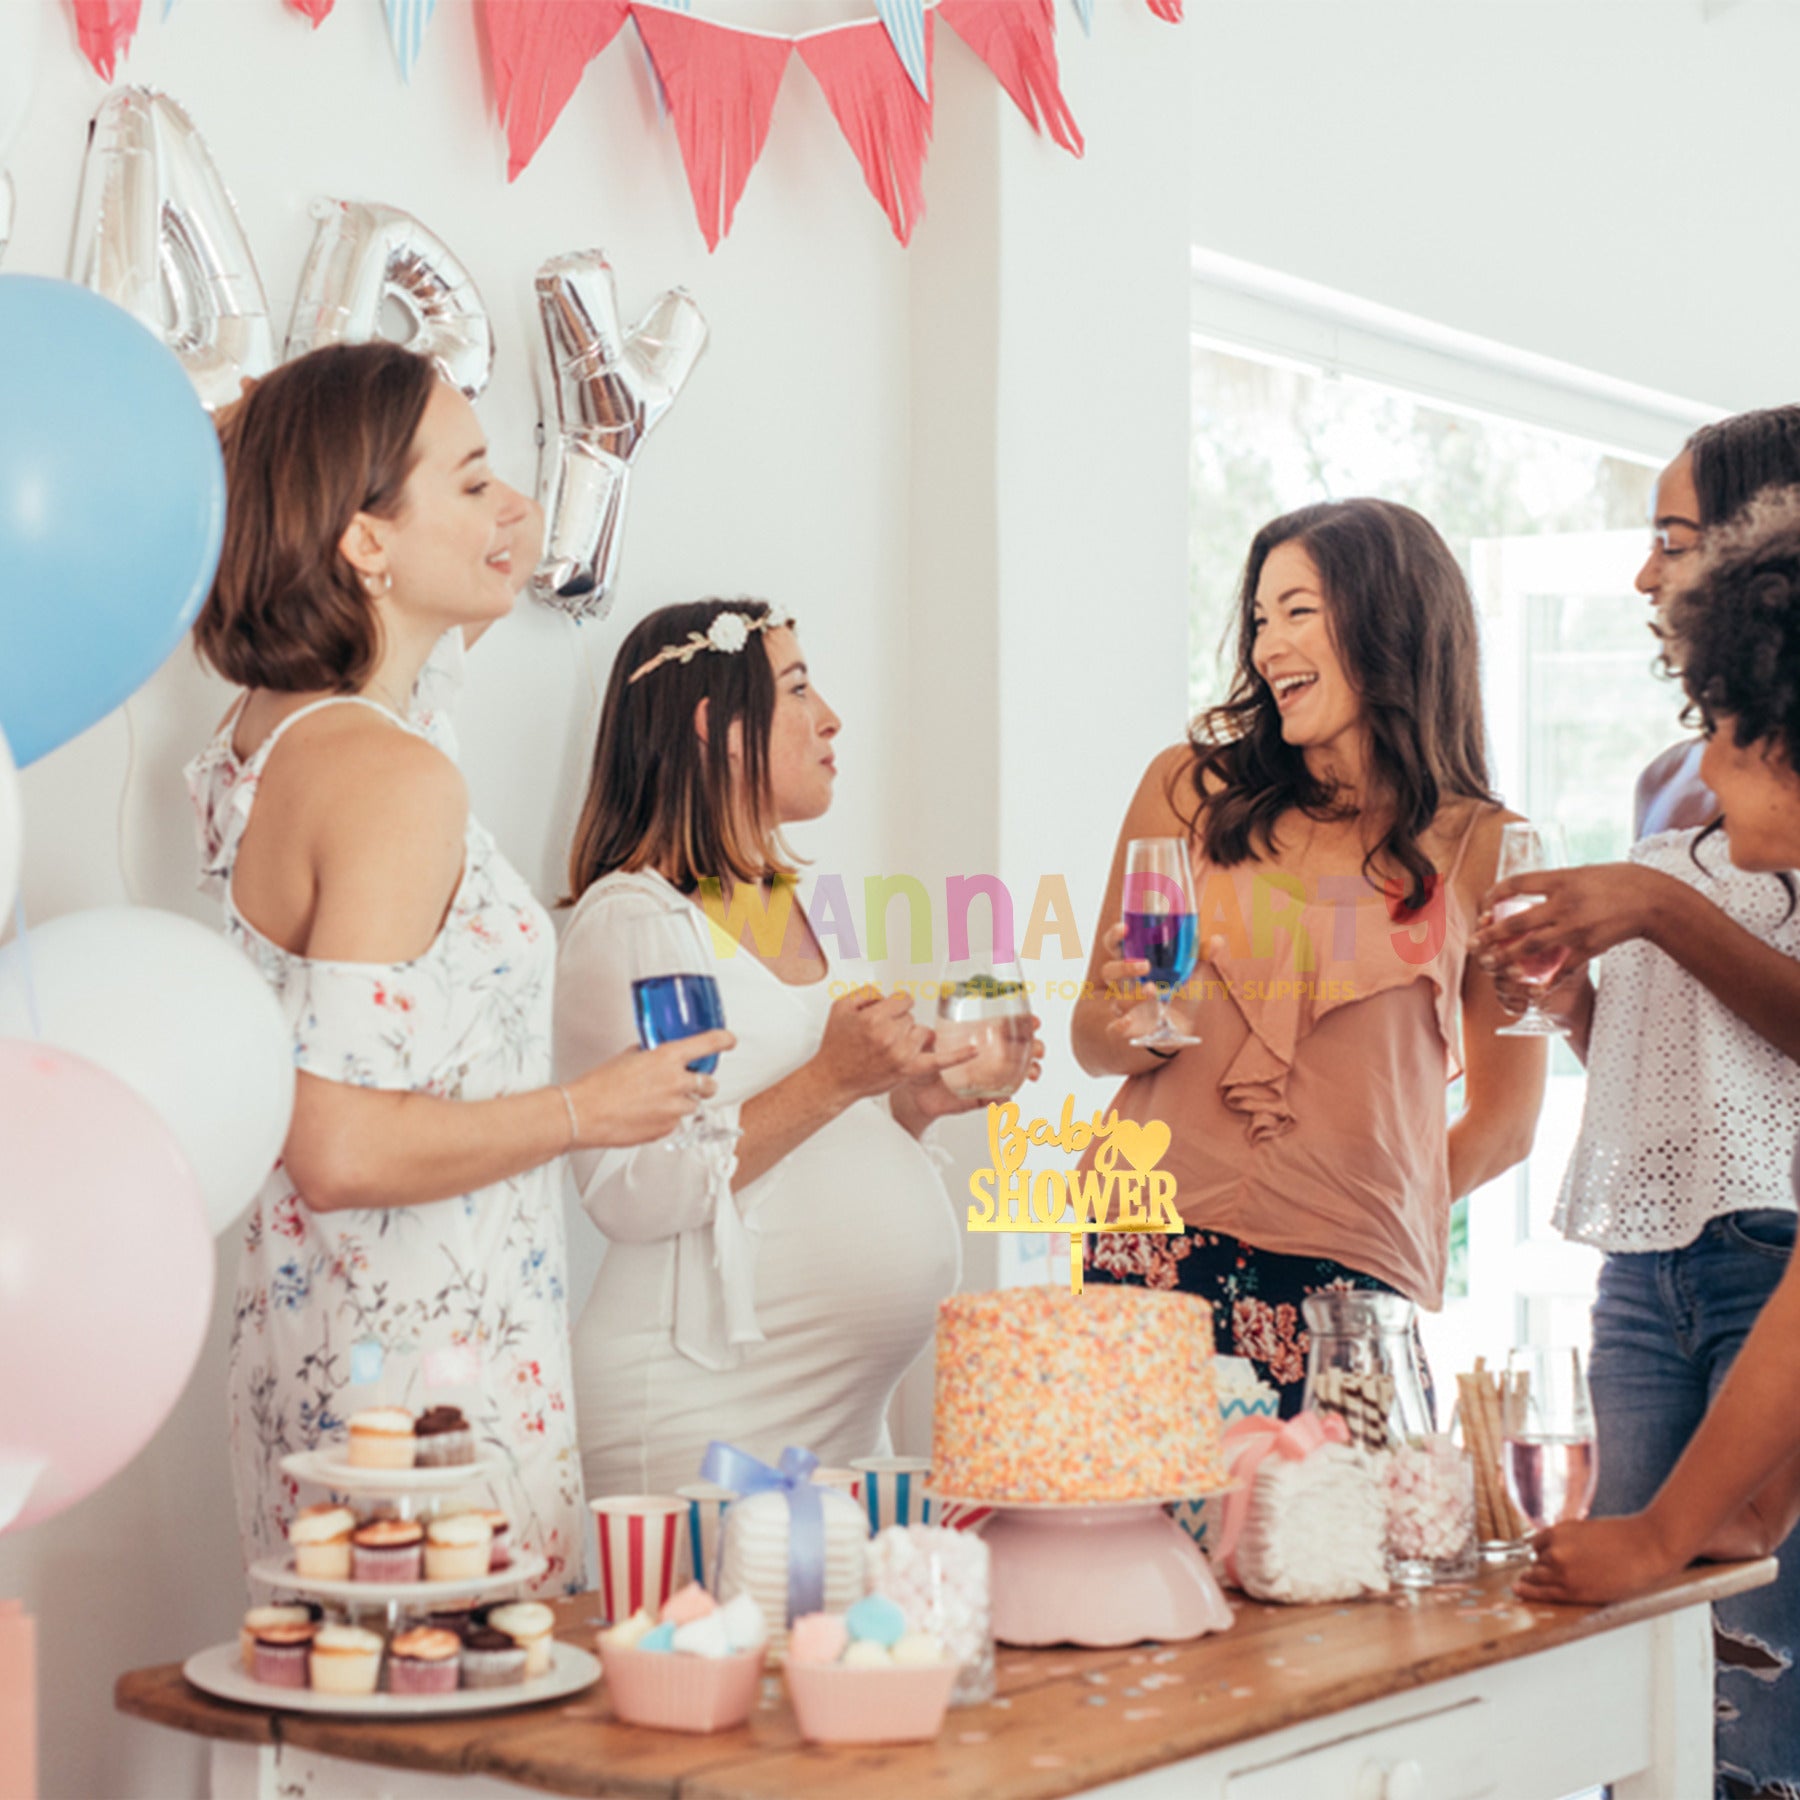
(346, 1660)
(279, 1653)
(424, 1661)
(458, 1547)
(459, 1619)
(531, 1624)
(320, 1536)
(491, 1659)
(443, 1437)
(387, 1550)
(501, 1555)
(382, 1438)
(263, 1617)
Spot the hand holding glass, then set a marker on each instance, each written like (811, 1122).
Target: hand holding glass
(675, 995)
(1161, 927)
(984, 1002)
(1548, 1421)
(1524, 850)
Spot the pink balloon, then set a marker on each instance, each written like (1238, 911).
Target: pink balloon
(106, 1272)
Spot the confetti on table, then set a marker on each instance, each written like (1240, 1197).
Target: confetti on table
(1002, 1704)
(1134, 1693)
(1277, 1662)
(1314, 1637)
(1138, 1660)
(1046, 1762)
(1168, 1656)
(1135, 1713)
(971, 1737)
(1098, 1679)
(1241, 1693)
(1057, 1670)
(1096, 1699)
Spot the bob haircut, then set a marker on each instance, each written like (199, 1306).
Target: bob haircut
(311, 445)
(658, 794)
(1399, 614)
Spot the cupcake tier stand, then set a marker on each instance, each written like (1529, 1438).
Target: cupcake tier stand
(220, 1672)
(367, 1596)
(1097, 1575)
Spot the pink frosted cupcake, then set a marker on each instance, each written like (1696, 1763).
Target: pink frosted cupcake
(279, 1654)
(391, 1550)
(320, 1536)
(424, 1661)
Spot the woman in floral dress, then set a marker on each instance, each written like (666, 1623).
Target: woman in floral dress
(408, 1249)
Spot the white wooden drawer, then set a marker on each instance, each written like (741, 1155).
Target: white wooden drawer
(1444, 1755)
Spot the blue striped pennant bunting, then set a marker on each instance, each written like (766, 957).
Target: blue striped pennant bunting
(407, 20)
(905, 22)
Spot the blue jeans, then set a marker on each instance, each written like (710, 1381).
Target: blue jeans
(1667, 1325)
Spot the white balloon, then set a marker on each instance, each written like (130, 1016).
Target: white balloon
(12, 833)
(174, 1011)
(19, 21)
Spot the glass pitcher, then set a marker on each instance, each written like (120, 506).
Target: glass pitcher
(1363, 1364)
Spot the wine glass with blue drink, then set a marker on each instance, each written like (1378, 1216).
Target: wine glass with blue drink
(675, 994)
(1161, 927)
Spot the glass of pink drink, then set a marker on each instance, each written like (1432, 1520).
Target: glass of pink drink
(1548, 1421)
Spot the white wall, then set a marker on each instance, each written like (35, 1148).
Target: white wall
(962, 465)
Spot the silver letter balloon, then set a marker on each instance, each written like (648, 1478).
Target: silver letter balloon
(609, 388)
(157, 232)
(365, 256)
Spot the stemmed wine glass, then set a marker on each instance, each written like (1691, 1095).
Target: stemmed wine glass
(675, 995)
(1548, 1422)
(1161, 927)
(1524, 850)
(984, 1001)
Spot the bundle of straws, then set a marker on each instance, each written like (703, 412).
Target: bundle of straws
(1480, 1401)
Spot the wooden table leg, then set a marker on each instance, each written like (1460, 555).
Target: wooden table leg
(1681, 1710)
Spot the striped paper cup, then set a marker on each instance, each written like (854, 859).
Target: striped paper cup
(640, 1546)
(956, 1515)
(706, 1504)
(894, 1490)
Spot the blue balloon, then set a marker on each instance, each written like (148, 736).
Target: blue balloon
(112, 508)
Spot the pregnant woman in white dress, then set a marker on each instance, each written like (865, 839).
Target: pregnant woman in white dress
(771, 1289)
(408, 1249)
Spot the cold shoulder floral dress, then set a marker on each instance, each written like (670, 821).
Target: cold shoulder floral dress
(459, 1301)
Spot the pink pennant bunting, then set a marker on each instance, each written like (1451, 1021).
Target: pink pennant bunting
(315, 10)
(721, 86)
(105, 29)
(538, 50)
(885, 119)
(1017, 40)
(1167, 9)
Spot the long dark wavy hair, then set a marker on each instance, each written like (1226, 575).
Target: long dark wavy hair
(1402, 623)
(658, 794)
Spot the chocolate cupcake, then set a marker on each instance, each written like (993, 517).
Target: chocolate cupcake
(391, 1550)
(491, 1659)
(500, 1556)
(279, 1654)
(442, 1437)
(424, 1661)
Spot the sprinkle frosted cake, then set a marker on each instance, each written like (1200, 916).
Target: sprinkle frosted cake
(1103, 1395)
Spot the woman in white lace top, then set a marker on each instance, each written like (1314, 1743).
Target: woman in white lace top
(770, 1289)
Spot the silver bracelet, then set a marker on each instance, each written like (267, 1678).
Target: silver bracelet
(569, 1108)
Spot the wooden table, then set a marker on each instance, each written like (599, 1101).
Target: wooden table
(1456, 1694)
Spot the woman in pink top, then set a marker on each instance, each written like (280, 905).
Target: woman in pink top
(1342, 833)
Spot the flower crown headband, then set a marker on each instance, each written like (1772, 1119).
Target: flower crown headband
(729, 632)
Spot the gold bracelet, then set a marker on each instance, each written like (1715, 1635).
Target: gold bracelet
(569, 1108)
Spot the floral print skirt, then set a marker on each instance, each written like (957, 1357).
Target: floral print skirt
(1255, 1294)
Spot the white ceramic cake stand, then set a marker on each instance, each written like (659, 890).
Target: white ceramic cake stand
(1098, 1575)
(278, 1572)
(328, 1469)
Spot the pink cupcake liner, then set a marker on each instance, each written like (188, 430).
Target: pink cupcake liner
(672, 1692)
(387, 1562)
(417, 1675)
(835, 1705)
(280, 1665)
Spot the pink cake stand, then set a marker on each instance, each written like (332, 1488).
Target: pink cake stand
(1099, 1575)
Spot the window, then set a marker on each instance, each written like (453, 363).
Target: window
(1540, 478)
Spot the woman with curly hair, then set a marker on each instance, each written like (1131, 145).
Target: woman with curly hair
(1340, 832)
(1735, 638)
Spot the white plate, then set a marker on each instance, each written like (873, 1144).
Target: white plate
(327, 1468)
(278, 1572)
(220, 1672)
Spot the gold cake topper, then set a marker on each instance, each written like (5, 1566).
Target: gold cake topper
(1139, 1197)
